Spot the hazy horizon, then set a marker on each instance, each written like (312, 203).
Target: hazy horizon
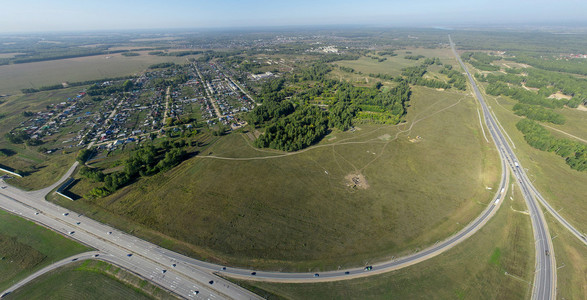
(67, 15)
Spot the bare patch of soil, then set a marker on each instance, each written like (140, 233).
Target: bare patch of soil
(356, 181)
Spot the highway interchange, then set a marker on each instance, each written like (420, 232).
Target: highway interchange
(194, 279)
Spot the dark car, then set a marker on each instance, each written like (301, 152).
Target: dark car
(129, 255)
(253, 273)
(368, 268)
(347, 273)
(316, 275)
(211, 282)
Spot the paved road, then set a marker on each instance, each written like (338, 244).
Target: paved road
(189, 274)
(146, 260)
(51, 267)
(545, 275)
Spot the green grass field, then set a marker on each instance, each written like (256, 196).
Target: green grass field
(19, 76)
(297, 212)
(26, 247)
(474, 269)
(89, 280)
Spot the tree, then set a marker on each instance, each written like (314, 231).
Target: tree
(84, 155)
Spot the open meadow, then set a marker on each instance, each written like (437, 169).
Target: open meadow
(495, 263)
(408, 185)
(26, 247)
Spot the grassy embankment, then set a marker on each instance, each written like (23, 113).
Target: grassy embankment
(89, 280)
(297, 212)
(474, 269)
(26, 247)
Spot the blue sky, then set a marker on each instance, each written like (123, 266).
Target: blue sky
(37, 15)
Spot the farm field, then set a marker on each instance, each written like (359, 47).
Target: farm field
(89, 280)
(26, 247)
(495, 263)
(234, 205)
(18, 76)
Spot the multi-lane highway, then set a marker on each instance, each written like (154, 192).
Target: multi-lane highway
(545, 276)
(191, 278)
(138, 256)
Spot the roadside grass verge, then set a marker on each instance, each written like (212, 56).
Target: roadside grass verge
(89, 280)
(471, 270)
(571, 262)
(26, 247)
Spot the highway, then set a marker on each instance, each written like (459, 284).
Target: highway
(545, 275)
(184, 276)
(135, 255)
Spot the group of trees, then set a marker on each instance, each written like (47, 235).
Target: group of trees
(305, 126)
(480, 60)
(162, 65)
(522, 95)
(414, 75)
(574, 153)
(456, 78)
(414, 57)
(575, 66)
(270, 111)
(145, 161)
(293, 122)
(538, 113)
(71, 84)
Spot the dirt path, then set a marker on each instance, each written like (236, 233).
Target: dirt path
(346, 141)
(568, 134)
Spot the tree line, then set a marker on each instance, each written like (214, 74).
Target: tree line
(146, 161)
(538, 113)
(574, 153)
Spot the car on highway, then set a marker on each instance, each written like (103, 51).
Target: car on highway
(109, 232)
(196, 292)
(368, 268)
(77, 223)
(174, 265)
(547, 253)
(36, 213)
(163, 271)
(253, 273)
(66, 214)
(129, 255)
(71, 232)
(223, 268)
(347, 273)
(96, 255)
(316, 275)
(211, 282)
